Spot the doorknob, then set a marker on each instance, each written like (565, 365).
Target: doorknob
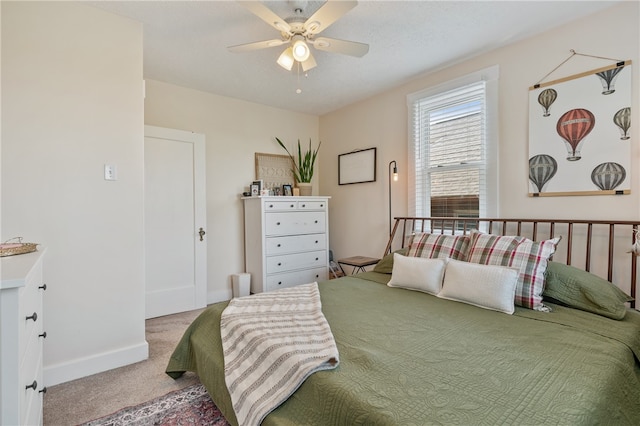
(201, 232)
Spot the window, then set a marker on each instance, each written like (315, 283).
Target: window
(451, 149)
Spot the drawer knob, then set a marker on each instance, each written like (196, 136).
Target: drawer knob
(43, 287)
(291, 206)
(277, 223)
(279, 263)
(33, 317)
(317, 276)
(279, 282)
(316, 258)
(279, 245)
(33, 385)
(270, 206)
(321, 205)
(43, 390)
(316, 241)
(304, 205)
(316, 221)
(43, 335)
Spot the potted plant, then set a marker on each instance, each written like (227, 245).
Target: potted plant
(303, 168)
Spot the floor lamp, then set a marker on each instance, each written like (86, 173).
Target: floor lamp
(395, 178)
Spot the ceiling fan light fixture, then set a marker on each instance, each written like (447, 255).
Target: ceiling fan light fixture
(309, 63)
(286, 59)
(300, 50)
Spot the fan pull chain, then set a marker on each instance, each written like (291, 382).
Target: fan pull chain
(298, 90)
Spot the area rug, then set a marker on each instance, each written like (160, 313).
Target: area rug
(189, 406)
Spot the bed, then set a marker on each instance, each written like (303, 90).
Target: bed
(411, 358)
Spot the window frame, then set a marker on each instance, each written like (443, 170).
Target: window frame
(490, 77)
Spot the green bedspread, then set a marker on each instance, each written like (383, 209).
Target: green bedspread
(408, 358)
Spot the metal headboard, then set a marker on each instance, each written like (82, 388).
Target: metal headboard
(585, 244)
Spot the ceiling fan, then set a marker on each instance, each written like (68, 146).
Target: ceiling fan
(298, 32)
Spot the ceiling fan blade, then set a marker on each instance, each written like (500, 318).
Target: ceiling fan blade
(309, 63)
(329, 13)
(333, 45)
(263, 12)
(256, 45)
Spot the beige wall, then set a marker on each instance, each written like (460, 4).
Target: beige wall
(71, 102)
(359, 213)
(234, 130)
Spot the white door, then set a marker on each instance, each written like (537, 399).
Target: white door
(175, 215)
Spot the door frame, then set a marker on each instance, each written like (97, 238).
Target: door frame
(200, 207)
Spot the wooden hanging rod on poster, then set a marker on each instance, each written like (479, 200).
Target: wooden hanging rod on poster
(569, 193)
(618, 63)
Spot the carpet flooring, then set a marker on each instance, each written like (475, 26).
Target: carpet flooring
(99, 395)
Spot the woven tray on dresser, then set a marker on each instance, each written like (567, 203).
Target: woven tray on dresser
(9, 248)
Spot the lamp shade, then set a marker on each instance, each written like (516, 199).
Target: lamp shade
(286, 59)
(309, 63)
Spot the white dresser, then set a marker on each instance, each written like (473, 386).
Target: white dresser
(21, 335)
(286, 241)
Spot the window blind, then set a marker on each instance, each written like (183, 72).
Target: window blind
(448, 147)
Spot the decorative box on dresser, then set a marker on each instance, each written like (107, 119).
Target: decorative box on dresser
(21, 335)
(286, 241)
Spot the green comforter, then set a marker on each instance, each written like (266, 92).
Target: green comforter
(408, 358)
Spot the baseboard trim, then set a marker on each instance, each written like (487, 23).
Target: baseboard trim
(82, 367)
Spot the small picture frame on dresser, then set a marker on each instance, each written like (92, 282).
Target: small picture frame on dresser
(255, 190)
(287, 191)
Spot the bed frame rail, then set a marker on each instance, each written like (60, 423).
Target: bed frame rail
(587, 244)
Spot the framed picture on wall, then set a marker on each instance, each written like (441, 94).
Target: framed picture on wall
(357, 166)
(580, 134)
(274, 170)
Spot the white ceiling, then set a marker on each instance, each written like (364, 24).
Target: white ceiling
(185, 43)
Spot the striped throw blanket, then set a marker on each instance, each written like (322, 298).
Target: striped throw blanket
(271, 343)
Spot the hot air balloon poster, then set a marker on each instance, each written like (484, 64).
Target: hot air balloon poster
(580, 134)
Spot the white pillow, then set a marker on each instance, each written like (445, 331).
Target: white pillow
(486, 286)
(417, 273)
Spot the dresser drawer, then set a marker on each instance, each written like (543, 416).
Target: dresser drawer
(295, 244)
(291, 279)
(30, 371)
(312, 205)
(30, 304)
(289, 262)
(293, 223)
(280, 205)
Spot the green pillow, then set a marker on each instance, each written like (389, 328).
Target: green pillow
(585, 291)
(385, 266)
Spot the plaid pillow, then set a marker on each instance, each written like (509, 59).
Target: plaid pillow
(487, 249)
(529, 257)
(439, 246)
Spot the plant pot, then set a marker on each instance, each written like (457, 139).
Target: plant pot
(305, 188)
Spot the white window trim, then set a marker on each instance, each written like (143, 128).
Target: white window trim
(490, 76)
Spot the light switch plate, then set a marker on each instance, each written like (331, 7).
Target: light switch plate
(110, 172)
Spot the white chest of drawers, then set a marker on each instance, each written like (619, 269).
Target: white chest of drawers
(21, 335)
(286, 241)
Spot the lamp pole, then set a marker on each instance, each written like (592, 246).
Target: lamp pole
(395, 178)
